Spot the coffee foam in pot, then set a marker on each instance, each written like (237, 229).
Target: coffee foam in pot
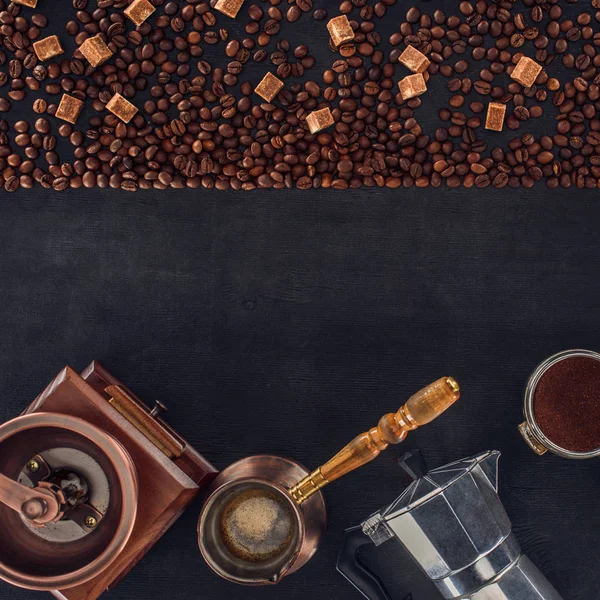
(256, 525)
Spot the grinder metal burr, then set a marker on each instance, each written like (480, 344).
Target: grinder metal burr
(237, 526)
(453, 524)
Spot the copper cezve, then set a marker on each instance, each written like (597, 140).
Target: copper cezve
(265, 515)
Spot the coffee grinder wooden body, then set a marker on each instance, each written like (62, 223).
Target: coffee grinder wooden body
(170, 472)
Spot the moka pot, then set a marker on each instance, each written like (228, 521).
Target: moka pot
(453, 524)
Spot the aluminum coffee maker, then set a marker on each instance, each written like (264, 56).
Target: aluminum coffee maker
(454, 526)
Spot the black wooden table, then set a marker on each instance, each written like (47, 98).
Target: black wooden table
(288, 323)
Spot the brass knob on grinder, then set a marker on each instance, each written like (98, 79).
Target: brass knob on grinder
(420, 409)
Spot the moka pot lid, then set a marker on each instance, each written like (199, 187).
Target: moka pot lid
(436, 481)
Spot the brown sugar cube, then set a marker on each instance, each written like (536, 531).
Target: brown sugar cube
(69, 108)
(414, 60)
(495, 116)
(526, 71)
(340, 30)
(95, 50)
(319, 119)
(412, 86)
(121, 108)
(269, 87)
(139, 10)
(47, 48)
(29, 3)
(229, 7)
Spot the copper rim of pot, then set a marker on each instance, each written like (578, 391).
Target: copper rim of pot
(214, 551)
(128, 483)
(531, 428)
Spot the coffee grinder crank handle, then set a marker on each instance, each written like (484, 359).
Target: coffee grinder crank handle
(38, 505)
(420, 409)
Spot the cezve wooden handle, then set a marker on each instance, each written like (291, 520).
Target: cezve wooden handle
(420, 409)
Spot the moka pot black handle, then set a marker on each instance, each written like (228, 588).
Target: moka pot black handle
(351, 567)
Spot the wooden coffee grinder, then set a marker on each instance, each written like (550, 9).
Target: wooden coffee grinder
(90, 479)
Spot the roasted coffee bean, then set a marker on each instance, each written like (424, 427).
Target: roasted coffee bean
(60, 184)
(278, 58)
(304, 5)
(537, 14)
(40, 105)
(271, 27)
(255, 12)
(454, 84)
(11, 184)
(521, 113)
(15, 69)
(482, 87)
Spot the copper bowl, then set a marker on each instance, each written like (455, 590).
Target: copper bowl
(27, 560)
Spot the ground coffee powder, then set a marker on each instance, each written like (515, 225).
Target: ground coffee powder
(566, 404)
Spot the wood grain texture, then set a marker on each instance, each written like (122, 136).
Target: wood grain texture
(297, 321)
(286, 322)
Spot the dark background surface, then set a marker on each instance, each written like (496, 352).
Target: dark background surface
(288, 323)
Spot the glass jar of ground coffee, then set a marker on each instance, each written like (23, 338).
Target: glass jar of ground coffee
(562, 405)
